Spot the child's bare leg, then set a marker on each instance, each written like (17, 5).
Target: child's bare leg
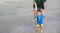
(42, 28)
(37, 28)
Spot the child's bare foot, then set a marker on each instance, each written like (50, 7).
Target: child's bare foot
(42, 31)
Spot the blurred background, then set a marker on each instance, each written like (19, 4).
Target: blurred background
(16, 16)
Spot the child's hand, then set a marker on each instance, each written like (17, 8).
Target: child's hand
(45, 19)
(34, 20)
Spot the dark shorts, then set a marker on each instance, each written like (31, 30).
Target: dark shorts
(33, 6)
(38, 7)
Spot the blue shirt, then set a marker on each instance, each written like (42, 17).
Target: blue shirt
(40, 19)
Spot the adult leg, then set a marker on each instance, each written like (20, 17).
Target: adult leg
(35, 9)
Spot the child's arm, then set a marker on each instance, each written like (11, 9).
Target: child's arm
(35, 18)
(44, 18)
